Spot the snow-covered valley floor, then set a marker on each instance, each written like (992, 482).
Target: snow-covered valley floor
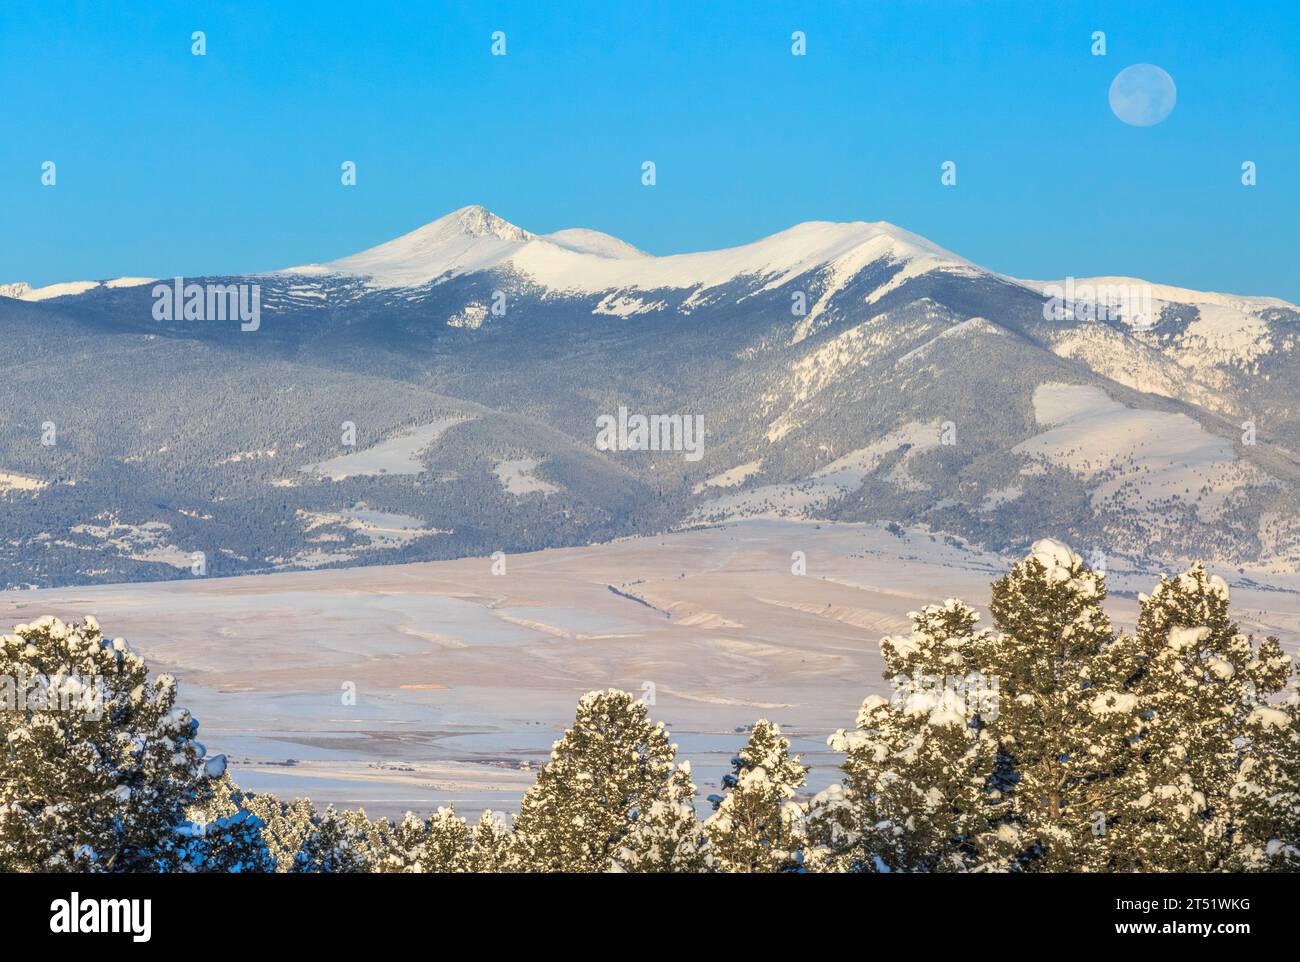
(463, 678)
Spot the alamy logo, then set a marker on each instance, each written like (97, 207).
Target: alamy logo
(1130, 303)
(179, 301)
(38, 692)
(655, 432)
(965, 696)
(72, 915)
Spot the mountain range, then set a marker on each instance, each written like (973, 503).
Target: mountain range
(438, 396)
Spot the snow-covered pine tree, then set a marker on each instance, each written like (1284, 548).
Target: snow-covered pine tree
(286, 826)
(834, 831)
(99, 765)
(607, 770)
(1063, 722)
(436, 844)
(222, 835)
(335, 845)
(231, 844)
(921, 789)
(491, 845)
(668, 838)
(1197, 680)
(446, 844)
(374, 839)
(1266, 792)
(406, 845)
(757, 826)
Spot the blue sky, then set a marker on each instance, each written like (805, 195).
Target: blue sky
(174, 164)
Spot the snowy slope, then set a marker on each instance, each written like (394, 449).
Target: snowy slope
(1168, 294)
(1201, 329)
(580, 261)
(586, 241)
(1139, 458)
(467, 240)
(22, 291)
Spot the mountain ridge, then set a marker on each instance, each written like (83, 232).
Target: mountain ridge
(437, 250)
(842, 372)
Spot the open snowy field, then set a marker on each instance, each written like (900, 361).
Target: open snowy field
(397, 455)
(463, 678)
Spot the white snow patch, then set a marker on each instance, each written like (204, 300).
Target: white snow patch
(149, 541)
(518, 479)
(625, 305)
(1054, 554)
(382, 531)
(731, 478)
(25, 292)
(396, 455)
(1268, 717)
(1180, 638)
(66, 289)
(471, 316)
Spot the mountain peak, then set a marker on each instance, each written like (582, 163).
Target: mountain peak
(18, 289)
(583, 240)
(473, 238)
(469, 239)
(477, 221)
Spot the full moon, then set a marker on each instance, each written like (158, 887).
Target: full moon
(1142, 95)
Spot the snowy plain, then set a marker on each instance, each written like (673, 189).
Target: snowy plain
(463, 678)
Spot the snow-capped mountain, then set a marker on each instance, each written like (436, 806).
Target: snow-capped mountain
(22, 291)
(850, 371)
(581, 261)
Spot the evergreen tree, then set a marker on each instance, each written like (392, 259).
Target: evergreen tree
(223, 798)
(224, 836)
(406, 845)
(668, 837)
(99, 765)
(334, 845)
(921, 790)
(757, 826)
(491, 845)
(606, 771)
(232, 844)
(437, 844)
(447, 842)
(1266, 792)
(1196, 679)
(1047, 745)
(286, 827)
(835, 829)
(1064, 722)
(373, 839)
